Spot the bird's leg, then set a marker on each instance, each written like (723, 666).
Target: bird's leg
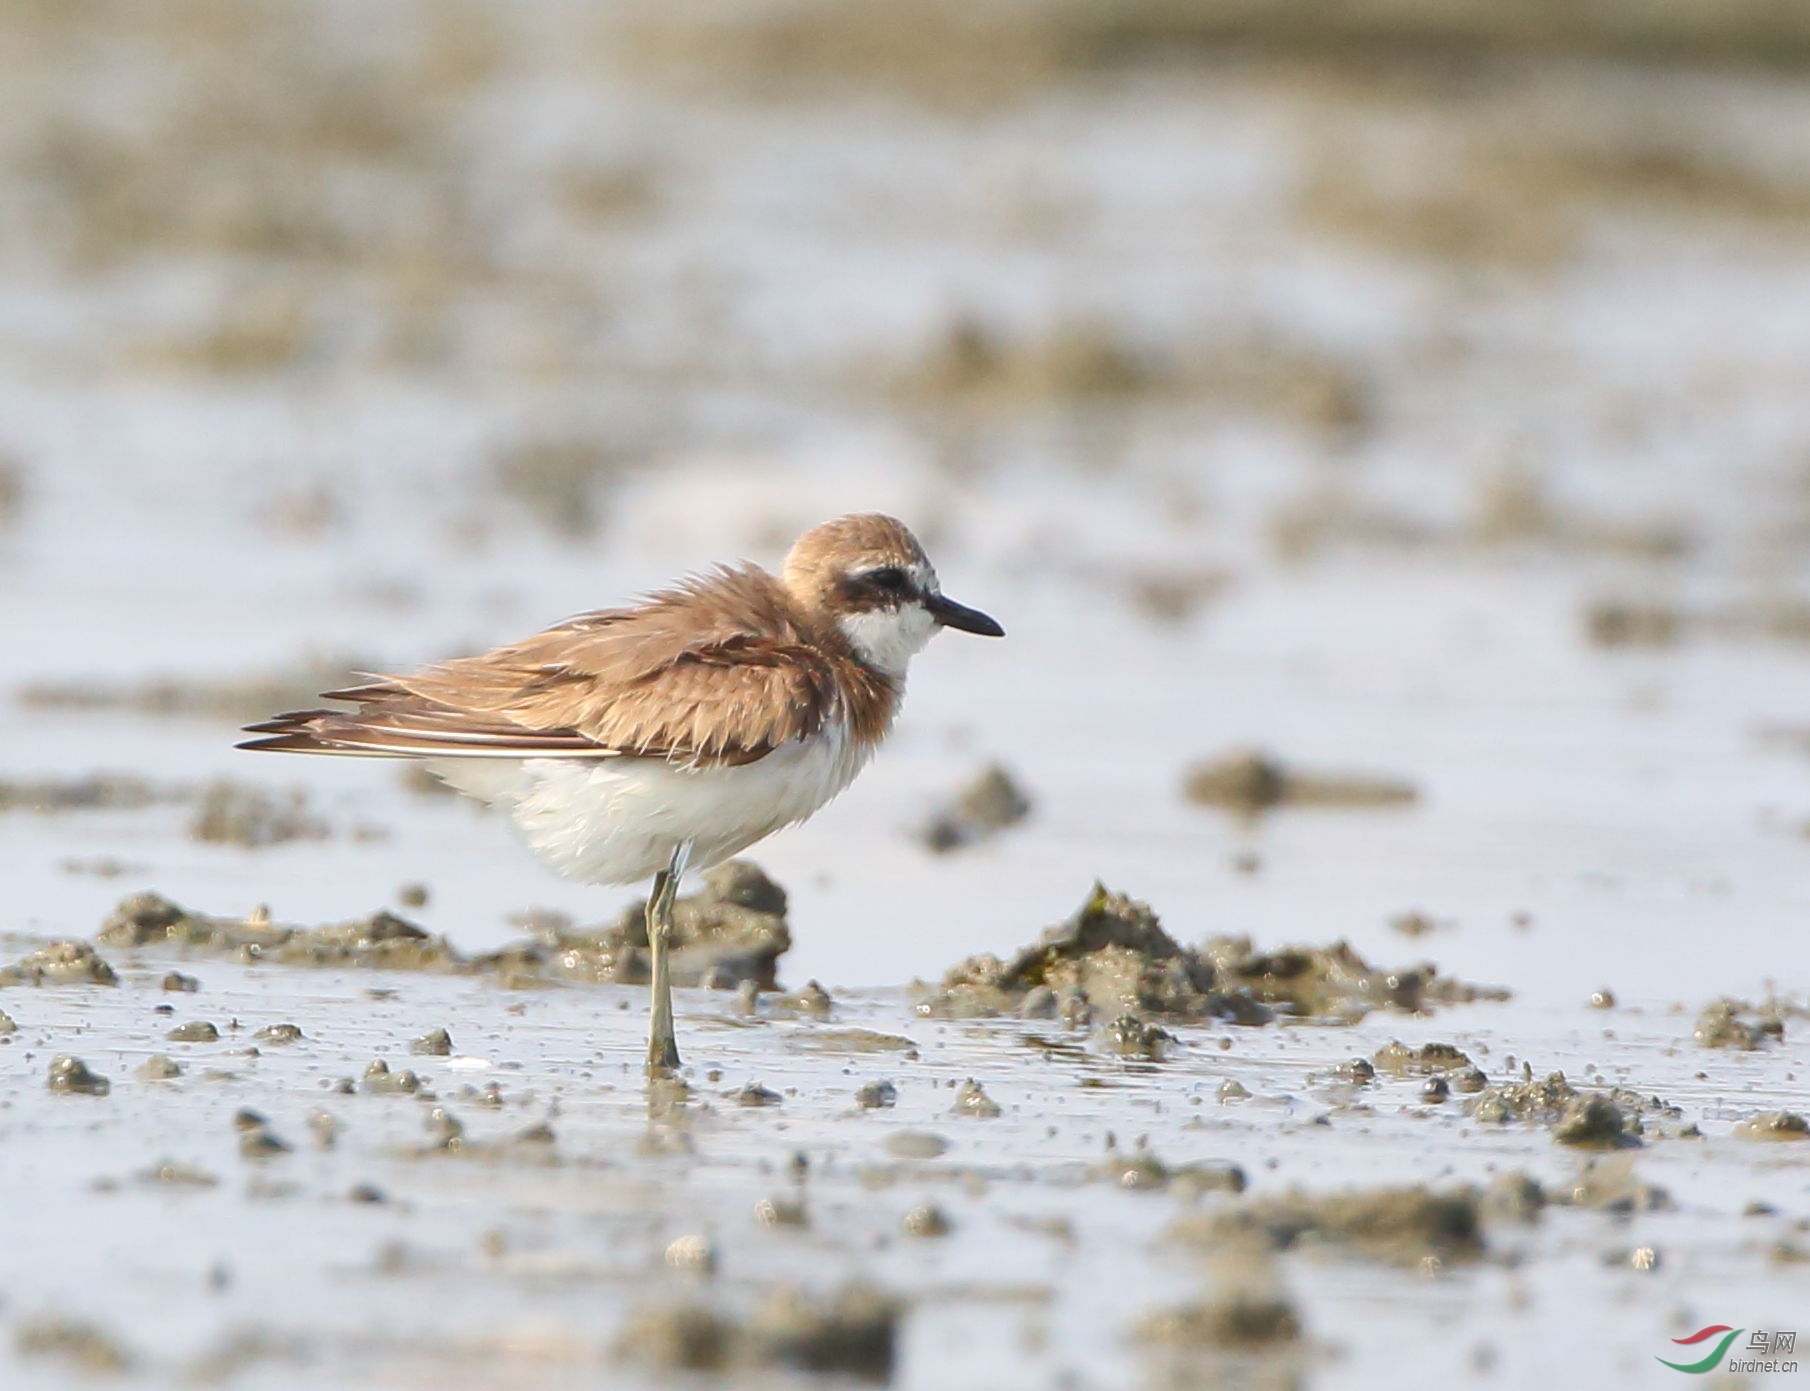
(662, 1043)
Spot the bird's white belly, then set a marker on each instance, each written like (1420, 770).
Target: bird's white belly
(618, 820)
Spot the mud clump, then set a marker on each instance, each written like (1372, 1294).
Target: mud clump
(1594, 1122)
(1244, 1330)
(1774, 1125)
(1615, 622)
(877, 1096)
(436, 1043)
(1428, 1060)
(15, 491)
(1131, 1037)
(1239, 1320)
(1247, 1311)
(1516, 1198)
(96, 792)
(985, 807)
(853, 1333)
(733, 930)
(229, 698)
(1401, 1225)
(688, 1338)
(811, 1002)
(1413, 923)
(561, 481)
(1142, 1171)
(170, 1173)
(971, 1099)
(71, 1077)
(927, 1220)
(975, 364)
(1334, 982)
(916, 1144)
(1543, 1101)
(381, 940)
(1721, 1026)
(380, 1081)
(74, 1342)
(1112, 952)
(236, 813)
(1578, 1118)
(139, 919)
(257, 1140)
(1113, 958)
(1622, 623)
(1608, 1183)
(852, 1041)
(60, 963)
(1251, 783)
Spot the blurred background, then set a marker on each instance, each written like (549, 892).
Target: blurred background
(1382, 427)
(1407, 386)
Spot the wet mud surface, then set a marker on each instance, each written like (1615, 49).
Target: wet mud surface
(371, 1169)
(1382, 436)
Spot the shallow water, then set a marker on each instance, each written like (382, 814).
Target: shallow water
(513, 1269)
(1388, 375)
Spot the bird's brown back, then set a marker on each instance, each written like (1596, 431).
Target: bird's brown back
(718, 669)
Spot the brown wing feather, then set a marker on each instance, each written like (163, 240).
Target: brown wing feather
(719, 669)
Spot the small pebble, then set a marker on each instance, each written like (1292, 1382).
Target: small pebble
(971, 1099)
(324, 1127)
(158, 1068)
(1774, 1125)
(71, 1077)
(380, 1081)
(781, 1212)
(256, 1139)
(928, 1220)
(695, 1254)
(876, 1095)
(195, 1031)
(436, 1043)
(1039, 1002)
(916, 1144)
(176, 1175)
(445, 1130)
(176, 981)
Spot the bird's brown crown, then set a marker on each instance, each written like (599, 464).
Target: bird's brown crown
(828, 567)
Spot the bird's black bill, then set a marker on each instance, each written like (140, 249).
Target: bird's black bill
(953, 615)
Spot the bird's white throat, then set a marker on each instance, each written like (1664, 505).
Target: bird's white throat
(888, 639)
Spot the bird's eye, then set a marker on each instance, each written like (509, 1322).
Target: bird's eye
(890, 577)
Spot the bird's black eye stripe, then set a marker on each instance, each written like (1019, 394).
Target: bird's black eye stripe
(887, 577)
